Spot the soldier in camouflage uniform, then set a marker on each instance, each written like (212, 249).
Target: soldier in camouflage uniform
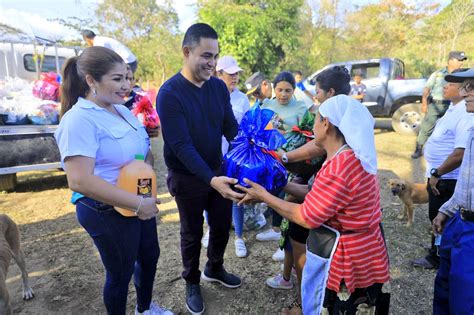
(432, 103)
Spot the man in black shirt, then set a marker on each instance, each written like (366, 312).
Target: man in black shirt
(195, 112)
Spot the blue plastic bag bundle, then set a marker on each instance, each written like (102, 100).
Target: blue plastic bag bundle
(250, 157)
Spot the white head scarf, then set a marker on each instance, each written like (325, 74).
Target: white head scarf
(356, 124)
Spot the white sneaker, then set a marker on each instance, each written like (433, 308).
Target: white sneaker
(268, 235)
(240, 248)
(205, 239)
(279, 255)
(278, 282)
(293, 271)
(155, 309)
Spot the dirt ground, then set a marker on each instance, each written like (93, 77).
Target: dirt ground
(67, 275)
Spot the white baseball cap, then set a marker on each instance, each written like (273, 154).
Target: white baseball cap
(228, 64)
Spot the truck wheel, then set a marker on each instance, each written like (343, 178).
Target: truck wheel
(7, 182)
(407, 119)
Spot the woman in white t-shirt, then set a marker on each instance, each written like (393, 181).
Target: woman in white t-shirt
(96, 138)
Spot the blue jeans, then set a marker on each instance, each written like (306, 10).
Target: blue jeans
(454, 282)
(127, 246)
(238, 219)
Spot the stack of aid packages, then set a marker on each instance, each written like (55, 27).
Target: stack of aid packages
(23, 102)
(46, 88)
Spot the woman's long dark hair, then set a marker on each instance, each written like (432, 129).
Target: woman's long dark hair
(95, 61)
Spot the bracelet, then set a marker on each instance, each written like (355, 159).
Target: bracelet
(139, 205)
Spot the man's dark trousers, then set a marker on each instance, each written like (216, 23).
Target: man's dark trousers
(446, 190)
(192, 197)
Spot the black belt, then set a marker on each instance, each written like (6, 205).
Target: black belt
(94, 204)
(466, 215)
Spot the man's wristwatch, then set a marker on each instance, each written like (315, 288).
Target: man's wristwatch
(284, 158)
(434, 172)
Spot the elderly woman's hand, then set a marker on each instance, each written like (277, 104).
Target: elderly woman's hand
(254, 193)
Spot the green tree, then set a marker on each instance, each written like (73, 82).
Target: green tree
(451, 29)
(302, 57)
(77, 24)
(391, 28)
(259, 34)
(315, 47)
(323, 29)
(150, 30)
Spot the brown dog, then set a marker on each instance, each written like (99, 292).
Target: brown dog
(10, 247)
(410, 193)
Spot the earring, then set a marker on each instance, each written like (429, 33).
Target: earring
(94, 92)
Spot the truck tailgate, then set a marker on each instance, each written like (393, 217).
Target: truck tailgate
(28, 147)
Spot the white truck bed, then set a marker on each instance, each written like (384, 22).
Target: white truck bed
(27, 129)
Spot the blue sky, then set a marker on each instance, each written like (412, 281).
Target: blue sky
(50, 9)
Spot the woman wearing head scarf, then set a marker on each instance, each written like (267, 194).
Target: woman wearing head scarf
(345, 196)
(329, 83)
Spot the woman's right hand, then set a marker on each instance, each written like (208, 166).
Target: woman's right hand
(148, 209)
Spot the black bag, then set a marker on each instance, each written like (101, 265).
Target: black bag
(321, 241)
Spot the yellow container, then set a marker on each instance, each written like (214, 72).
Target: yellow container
(138, 178)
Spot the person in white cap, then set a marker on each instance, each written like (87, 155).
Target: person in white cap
(346, 197)
(228, 71)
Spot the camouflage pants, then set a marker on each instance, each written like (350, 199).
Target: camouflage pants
(436, 110)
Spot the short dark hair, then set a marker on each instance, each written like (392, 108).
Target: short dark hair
(197, 31)
(88, 34)
(298, 72)
(336, 78)
(286, 76)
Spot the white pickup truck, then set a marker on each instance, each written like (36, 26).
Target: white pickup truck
(28, 147)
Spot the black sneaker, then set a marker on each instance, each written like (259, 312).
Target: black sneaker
(223, 277)
(194, 302)
(425, 262)
(418, 152)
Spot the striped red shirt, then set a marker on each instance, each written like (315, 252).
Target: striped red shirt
(346, 197)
